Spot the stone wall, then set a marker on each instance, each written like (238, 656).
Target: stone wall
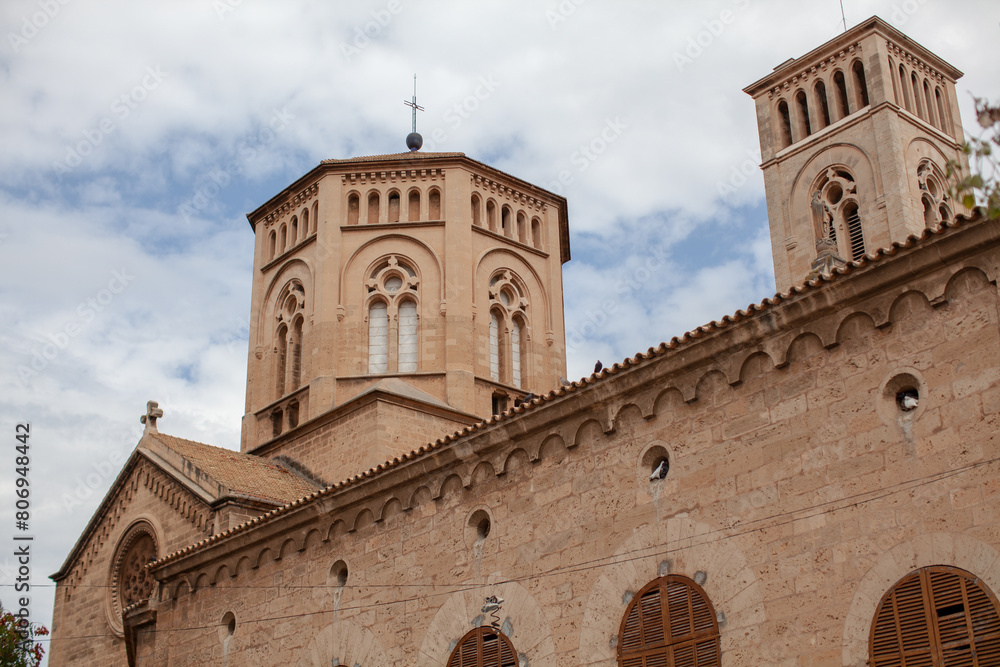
(798, 492)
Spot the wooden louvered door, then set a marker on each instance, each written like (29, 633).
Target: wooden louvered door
(936, 617)
(669, 623)
(484, 647)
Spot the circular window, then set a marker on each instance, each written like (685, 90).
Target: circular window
(392, 284)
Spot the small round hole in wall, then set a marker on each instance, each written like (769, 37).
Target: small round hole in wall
(903, 395)
(655, 463)
(338, 574)
(227, 626)
(480, 522)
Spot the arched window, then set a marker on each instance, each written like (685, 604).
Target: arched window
(522, 227)
(305, 222)
(353, 208)
(413, 215)
(903, 88)
(824, 107)
(408, 337)
(495, 346)
(942, 116)
(855, 232)
(509, 330)
(393, 333)
(536, 233)
(280, 359)
(373, 208)
(515, 352)
(929, 103)
(434, 205)
(936, 616)
(289, 317)
(934, 196)
(841, 86)
(272, 244)
(506, 223)
(295, 350)
(477, 205)
(484, 647)
(805, 129)
(315, 216)
(860, 84)
(915, 87)
(293, 236)
(835, 211)
(669, 622)
(895, 84)
(282, 239)
(393, 206)
(785, 125)
(491, 215)
(378, 337)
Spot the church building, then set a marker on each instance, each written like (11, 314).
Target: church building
(809, 481)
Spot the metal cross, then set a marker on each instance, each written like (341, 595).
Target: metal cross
(413, 103)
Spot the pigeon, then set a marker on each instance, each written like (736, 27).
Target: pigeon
(660, 472)
(564, 382)
(598, 366)
(908, 402)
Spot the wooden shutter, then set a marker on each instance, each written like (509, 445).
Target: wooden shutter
(484, 647)
(934, 617)
(669, 623)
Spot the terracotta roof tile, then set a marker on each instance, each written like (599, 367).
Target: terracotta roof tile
(243, 474)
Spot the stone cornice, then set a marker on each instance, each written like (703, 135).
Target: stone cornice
(288, 205)
(386, 177)
(844, 43)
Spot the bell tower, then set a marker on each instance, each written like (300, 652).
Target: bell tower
(396, 299)
(855, 138)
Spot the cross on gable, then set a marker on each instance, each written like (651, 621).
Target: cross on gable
(153, 412)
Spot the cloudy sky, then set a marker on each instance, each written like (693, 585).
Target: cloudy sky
(136, 136)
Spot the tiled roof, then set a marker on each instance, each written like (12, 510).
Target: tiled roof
(243, 474)
(409, 155)
(652, 353)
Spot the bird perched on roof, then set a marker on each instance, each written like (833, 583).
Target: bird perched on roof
(564, 382)
(598, 366)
